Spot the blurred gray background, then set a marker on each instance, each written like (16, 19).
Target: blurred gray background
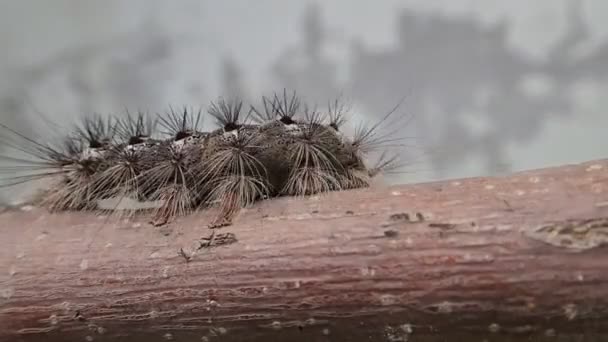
(492, 86)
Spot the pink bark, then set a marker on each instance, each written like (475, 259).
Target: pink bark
(489, 257)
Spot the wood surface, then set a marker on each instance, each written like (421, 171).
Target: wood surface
(519, 257)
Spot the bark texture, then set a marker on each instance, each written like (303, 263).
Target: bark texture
(496, 259)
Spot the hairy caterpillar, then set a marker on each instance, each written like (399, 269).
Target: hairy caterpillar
(283, 148)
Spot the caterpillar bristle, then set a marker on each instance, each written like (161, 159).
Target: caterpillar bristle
(178, 126)
(231, 172)
(45, 153)
(286, 108)
(73, 193)
(232, 154)
(234, 192)
(313, 118)
(69, 166)
(291, 149)
(310, 180)
(386, 164)
(369, 138)
(313, 164)
(269, 113)
(119, 178)
(354, 178)
(96, 131)
(177, 200)
(172, 179)
(336, 112)
(136, 130)
(227, 113)
(281, 108)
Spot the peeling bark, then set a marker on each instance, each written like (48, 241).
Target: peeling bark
(471, 259)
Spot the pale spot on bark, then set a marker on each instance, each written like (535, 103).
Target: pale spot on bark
(367, 271)
(601, 204)
(570, 311)
(444, 307)
(388, 299)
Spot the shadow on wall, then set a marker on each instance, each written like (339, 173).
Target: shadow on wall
(472, 95)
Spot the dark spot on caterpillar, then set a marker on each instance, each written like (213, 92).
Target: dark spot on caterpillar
(287, 120)
(95, 144)
(350, 212)
(182, 135)
(136, 140)
(231, 126)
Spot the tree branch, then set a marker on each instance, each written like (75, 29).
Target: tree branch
(475, 257)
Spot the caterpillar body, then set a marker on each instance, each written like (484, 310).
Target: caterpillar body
(283, 149)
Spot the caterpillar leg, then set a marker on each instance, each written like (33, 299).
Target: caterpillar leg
(162, 216)
(176, 201)
(166, 211)
(229, 207)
